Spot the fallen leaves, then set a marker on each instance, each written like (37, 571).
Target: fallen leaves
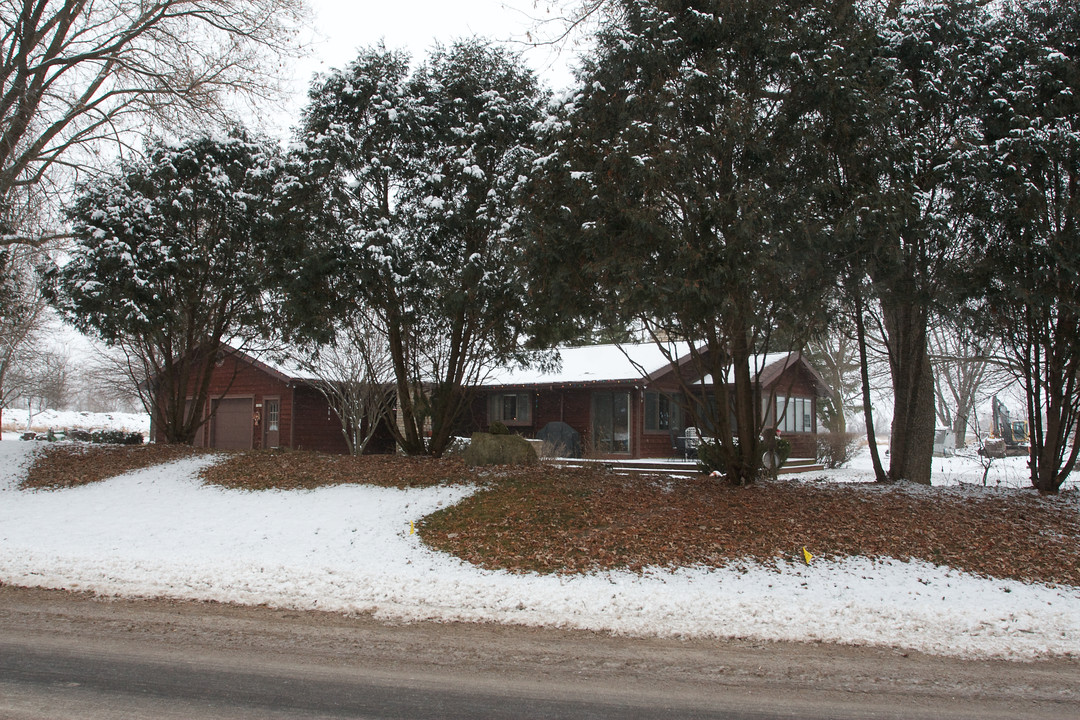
(578, 521)
(70, 465)
(570, 521)
(296, 470)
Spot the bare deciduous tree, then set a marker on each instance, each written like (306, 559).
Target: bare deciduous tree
(78, 73)
(23, 318)
(835, 355)
(356, 376)
(41, 382)
(104, 384)
(963, 365)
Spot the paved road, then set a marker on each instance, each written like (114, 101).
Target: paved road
(59, 683)
(66, 655)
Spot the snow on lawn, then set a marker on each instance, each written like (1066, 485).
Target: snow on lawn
(15, 421)
(159, 532)
(962, 467)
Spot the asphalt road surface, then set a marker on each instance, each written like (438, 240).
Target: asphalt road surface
(65, 655)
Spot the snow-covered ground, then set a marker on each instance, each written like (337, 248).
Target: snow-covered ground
(159, 532)
(15, 421)
(961, 467)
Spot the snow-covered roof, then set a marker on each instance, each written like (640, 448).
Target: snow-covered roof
(277, 362)
(285, 366)
(586, 365)
(621, 363)
(766, 368)
(593, 363)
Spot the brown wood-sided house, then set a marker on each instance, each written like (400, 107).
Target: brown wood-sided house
(625, 400)
(255, 404)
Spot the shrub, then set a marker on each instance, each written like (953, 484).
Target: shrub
(835, 449)
(116, 437)
(498, 428)
(783, 449)
(710, 458)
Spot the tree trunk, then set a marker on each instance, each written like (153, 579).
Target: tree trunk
(912, 442)
(1051, 380)
(960, 428)
(840, 421)
(748, 459)
(864, 372)
(408, 433)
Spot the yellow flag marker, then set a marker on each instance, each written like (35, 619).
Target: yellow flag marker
(411, 528)
(806, 555)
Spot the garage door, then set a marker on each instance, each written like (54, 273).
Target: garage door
(232, 424)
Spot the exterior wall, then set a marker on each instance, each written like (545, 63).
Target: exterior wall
(234, 378)
(317, 426)
(573, 405)
(796, 382)
(305, 420)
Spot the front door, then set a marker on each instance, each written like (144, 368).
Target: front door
(272, 407)
(611, 422)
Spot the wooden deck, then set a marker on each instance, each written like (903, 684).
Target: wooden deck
(672, 467)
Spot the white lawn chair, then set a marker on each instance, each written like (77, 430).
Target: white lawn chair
(693, 440)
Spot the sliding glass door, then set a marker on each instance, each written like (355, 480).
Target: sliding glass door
(611, 422)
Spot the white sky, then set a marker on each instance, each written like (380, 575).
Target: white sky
(342, 27)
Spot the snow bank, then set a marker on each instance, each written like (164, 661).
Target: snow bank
(159, 532)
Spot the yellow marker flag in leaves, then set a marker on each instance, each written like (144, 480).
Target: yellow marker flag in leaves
(806, 555)
(413, 529)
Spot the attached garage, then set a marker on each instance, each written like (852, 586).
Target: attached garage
(254, 405)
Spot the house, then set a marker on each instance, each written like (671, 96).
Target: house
(626, 400)
(257, 403)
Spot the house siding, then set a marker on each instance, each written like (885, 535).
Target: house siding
(572, 404)
(796, 382)
(233, 379)
(305, 420)
(320, 428)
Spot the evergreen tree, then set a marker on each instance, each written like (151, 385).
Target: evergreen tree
(1032, 132)
(682, 190)
(170, 260)
(412, 180)
(905, 166)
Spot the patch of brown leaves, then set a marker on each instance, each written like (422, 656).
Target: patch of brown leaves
(575, 521)
(69, 465)
(294, 470)
(568, 521)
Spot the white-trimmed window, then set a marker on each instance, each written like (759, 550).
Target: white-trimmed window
(794, 414)
(510, 408)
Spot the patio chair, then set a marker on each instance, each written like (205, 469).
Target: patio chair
(691, 441)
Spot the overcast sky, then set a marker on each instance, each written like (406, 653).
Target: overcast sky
(341, 27)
